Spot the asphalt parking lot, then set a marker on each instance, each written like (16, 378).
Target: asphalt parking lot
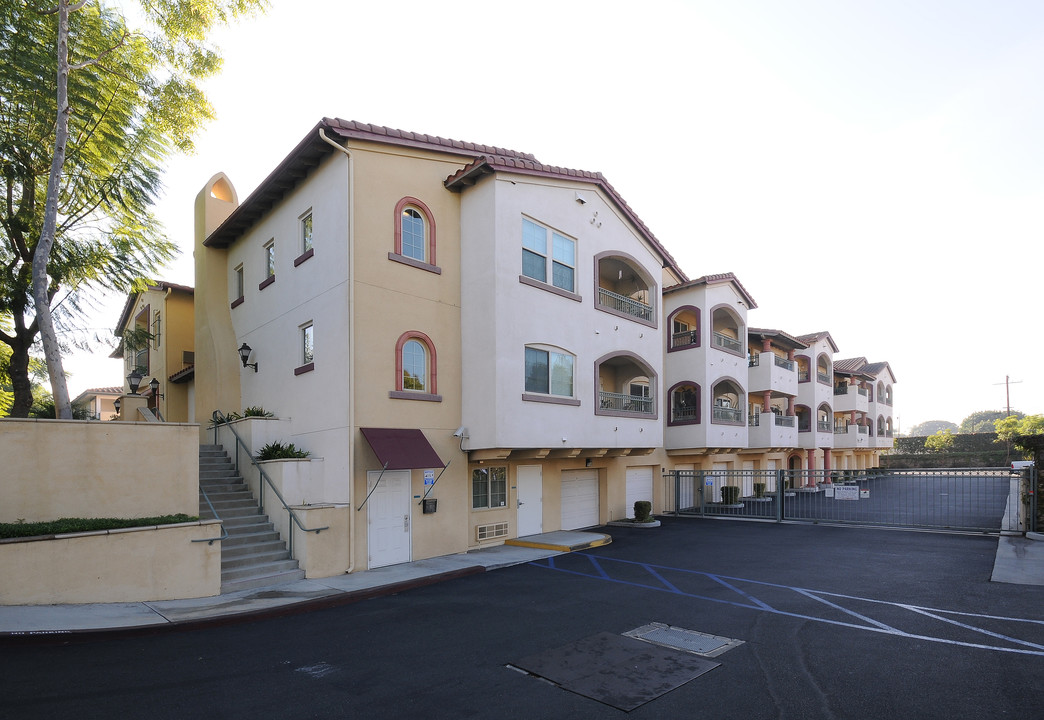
(830, 622)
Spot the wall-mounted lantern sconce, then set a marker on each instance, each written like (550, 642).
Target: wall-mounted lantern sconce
(154, 387)
(116, 404)
(134, 382)
(244, 355)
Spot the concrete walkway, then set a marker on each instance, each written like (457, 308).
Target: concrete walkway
(20, 621)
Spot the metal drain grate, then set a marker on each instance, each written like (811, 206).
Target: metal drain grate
(682, 639)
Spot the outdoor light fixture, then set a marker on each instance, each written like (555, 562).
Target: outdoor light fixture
(244, 355)
(134, 381)
(154, 387)
(116, 404)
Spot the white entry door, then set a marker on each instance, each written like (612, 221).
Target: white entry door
(388, 518)
(530, 498)
(639, 487)
(579, 499)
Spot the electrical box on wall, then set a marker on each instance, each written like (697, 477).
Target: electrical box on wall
(429, 505)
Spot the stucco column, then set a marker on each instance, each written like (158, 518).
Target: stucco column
(826, 462)
(766, 400)
(766, 345)
(790, 407)
(811, 466)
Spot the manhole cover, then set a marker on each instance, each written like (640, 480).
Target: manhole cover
(682, 639)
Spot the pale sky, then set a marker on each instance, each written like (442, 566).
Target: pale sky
(869, 169)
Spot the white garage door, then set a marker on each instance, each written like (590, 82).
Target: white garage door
(579, 499)
(639, 487)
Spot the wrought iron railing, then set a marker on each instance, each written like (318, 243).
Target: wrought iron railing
(685, 338)
(726, 343)
(625, 403)
(728, 415)
(624, 304)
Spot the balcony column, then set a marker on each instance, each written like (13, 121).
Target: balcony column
(811, 466)
(766, 345)
(826, 462)
(790, 407)
(790, 355)
(766, 400)
(852, 418)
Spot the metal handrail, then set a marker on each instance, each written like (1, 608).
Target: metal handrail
(219, 419)
(224, 532)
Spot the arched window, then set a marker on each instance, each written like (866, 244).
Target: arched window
(626, 385)
(685, 404)
(416, 376)
(414, 235)
(729, 399)
(684, 328)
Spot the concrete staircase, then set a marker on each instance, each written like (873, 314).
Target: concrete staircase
(252, 555)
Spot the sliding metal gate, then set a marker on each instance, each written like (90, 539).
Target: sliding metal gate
(980, 499)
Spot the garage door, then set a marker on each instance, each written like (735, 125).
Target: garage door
(639, 487)
(579, 499)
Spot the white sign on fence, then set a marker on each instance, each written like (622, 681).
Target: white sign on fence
(846, 492)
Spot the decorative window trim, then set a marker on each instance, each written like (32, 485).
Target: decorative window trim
(395, 257)
(306, 368)
(269, 253)
(306, 240)
(310, 252)
(266, 282)
(536, 395)
(526, 280)
(698, 330)
(549, 259)
(551, 399)
(431, 393)
(238, 284)
(698, 420)
(237, 302)
(429, 227)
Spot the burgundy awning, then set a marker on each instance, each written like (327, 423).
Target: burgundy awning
(402, 449)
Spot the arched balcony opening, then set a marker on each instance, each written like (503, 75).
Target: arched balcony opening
(728, 403)
(803, 365)
(804, 418)
(823, 371)
(625, 288)
(824, 416)
(728, 331)
(685, 328)
(626, 386)
(685, 404)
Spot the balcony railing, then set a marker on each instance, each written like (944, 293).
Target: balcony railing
(783, 362)
(862, 391)
(726, 343)
(824, 426)
(785, 420)
(863, 430)
(728, 415)
(685, 338)
(754, 360)
(625, 403)
(823, 377)
(803, 375)
(624, 304)
(683, 412)
(754, 420)
(841, 390)
(841, 430)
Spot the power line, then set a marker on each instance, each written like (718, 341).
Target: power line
(1007, 390)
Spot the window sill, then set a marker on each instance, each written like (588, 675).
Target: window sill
(526, 280)
(413, 395)
(237, 302)
(395, 257)
(304, 256)
(266, 282)
(304, 369)
(551, 399)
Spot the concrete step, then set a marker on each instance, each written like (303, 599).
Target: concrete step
(265, 568)
(261, 580)
(229, 552)
(253, 560)
(258, 535)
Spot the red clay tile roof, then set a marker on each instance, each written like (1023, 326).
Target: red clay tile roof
(877, 368)
(488, 164)
(716, 279)
(849, 364)
(781, 337)
(380, 133)
(816, 337)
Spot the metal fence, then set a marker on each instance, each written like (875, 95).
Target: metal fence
(980, 499)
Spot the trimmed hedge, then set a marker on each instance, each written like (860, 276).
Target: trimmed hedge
(76, 525)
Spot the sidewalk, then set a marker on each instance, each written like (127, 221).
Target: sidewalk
(1020, 560)
(132, 617)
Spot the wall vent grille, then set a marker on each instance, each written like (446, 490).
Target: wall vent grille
(491, 531)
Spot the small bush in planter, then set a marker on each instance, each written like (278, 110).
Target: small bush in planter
(256, 411)
(759, 490)
(730, 495)
(281, 451)
(642, 511)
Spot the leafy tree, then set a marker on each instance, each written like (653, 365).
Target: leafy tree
(1014, 430)
(940, 442)
(89, 111)
(930, 427)
(982, 421)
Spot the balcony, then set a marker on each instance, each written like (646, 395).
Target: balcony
(853, 436)
(845, 400)
(624, 305)
(726, 343)
(769, 430)
(732, 416)
(823, 377)
(687, 338)
(769, 372)
(625, 403)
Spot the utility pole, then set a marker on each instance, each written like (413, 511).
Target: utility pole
(1007, 390)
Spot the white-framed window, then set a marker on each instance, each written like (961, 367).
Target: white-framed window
(414, 366)
(269, 259)
(307, 344)
(239, 285)
(549, 372)
(414, 235)
(306, 232)
(546, 252)
(488, 488)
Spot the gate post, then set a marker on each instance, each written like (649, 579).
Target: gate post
(781, 487)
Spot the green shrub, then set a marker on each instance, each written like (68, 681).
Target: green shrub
(281, 451)
(759, 490)
(642, 511)
(730, 495)
(75, 525)
(257, 411)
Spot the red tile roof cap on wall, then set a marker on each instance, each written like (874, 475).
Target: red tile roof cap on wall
(489, 164)
(816, 337)
(717, 279)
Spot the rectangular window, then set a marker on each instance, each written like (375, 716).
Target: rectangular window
(488, 488)
(549, 373)
(535, 258)
(270, 259)
(306, 233)
(307, 347)
(239, 283)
